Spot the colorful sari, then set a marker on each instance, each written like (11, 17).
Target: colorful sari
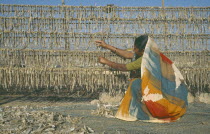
(160, 95)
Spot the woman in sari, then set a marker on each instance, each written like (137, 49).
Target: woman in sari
(157, 92)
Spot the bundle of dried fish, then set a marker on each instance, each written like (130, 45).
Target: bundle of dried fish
(107, 104)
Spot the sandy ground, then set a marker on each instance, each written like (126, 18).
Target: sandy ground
(88, 116)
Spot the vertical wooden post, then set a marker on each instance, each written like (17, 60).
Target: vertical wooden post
(163, 4)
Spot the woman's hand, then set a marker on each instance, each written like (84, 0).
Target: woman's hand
(111, 64)
(101, 43)
(102, 60)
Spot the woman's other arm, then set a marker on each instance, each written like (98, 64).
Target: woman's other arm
(124, 53)
(121, 67)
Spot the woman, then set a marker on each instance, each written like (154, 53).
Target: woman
(157, 92)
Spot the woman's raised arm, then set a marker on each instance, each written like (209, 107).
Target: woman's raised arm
(124, 53)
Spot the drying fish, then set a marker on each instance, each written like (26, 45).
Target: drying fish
(38, 121)
(52, 48)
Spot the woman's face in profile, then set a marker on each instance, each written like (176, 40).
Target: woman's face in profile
(137, 52)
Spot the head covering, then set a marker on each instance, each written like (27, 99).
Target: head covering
(141, 41)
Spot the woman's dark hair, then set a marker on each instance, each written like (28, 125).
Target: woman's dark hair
(141, 41)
